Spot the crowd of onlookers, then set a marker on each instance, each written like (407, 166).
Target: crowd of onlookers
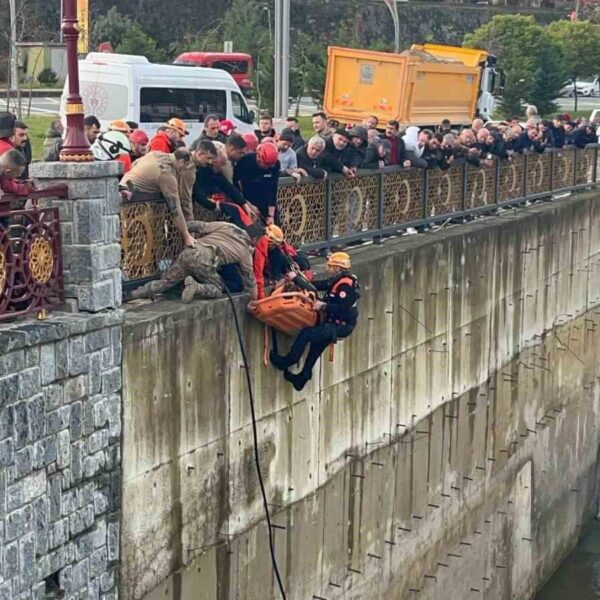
(239, 173)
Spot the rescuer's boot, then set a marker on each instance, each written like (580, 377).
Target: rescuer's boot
(190, 290)
(298, 381)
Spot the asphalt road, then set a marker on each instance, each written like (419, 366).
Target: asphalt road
(51, 106)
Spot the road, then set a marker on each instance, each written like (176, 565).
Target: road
(39, 106)
(51, 106)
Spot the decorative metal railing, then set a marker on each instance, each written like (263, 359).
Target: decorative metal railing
(31, 270)
(321, 214)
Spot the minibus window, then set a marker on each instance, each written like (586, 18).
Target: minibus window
(158, 105)
(240, 110)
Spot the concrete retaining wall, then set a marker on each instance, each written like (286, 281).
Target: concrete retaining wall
(451, 445)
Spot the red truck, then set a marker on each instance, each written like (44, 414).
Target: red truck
(238, 65)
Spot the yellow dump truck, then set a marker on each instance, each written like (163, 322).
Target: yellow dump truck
(421, 86)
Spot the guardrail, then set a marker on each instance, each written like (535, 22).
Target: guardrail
(31, 271)
(321, 214)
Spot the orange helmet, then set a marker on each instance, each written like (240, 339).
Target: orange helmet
(120, 125)
(178, 125)
(339, 259)
(267, 154)
(274, 234)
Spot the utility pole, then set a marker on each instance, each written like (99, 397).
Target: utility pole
(282, 58)
(14, 71)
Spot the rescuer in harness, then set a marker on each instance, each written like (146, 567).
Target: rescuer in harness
(274, 258)
(338, 320)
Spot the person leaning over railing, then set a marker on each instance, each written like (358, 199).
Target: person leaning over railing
(311, 162)
(168, 175)
(337, 156)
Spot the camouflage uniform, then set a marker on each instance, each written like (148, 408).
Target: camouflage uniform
(217, 244)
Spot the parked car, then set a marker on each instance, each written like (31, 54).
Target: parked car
(588, 88)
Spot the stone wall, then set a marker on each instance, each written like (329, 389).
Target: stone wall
(453, 440)
(60, 429)
(89, 226)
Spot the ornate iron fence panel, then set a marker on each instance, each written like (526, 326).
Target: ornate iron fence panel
(31, 268)
(511, 179)
(303, 211)
(563, 171)
(539, 173)
(354, 204)
(445, 191)
(584, 166)
(319, 214)
(402, 197)
(481, 186)
(149, 239)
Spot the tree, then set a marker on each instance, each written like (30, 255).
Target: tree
(112, 27)
(532, 62)
(580, 45)
(136, 41)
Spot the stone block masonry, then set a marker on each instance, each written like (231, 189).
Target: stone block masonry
(60, 456)
(89, 225)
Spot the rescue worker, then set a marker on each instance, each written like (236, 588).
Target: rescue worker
(274, 258)
(257, 176)
(217, 244)
(339, 317)
(139, 144)
(169, 137)
(172, 176)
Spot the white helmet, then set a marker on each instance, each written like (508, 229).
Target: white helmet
(110, 145)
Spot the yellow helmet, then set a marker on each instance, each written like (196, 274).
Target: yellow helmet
(274, 234)
(339, 259)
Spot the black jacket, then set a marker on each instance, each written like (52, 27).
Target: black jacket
(260, 135)
(208, 183)
(258, 185)
(314, 167)
(341, 296)
(335, 160)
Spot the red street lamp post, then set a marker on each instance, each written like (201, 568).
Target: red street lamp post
(76, 147)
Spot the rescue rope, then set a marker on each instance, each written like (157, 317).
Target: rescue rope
(255, 439)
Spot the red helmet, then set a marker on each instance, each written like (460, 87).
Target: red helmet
(251, 140)
(267, 154)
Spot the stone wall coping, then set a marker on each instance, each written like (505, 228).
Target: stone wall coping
(31, 332)
(92, 170)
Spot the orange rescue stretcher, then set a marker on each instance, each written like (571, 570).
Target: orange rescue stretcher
(288, 312)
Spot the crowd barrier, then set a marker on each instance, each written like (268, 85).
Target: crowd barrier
(321, 214)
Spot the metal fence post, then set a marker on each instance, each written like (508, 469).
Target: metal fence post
(575, 152)
(595, 167)
(552, 155)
